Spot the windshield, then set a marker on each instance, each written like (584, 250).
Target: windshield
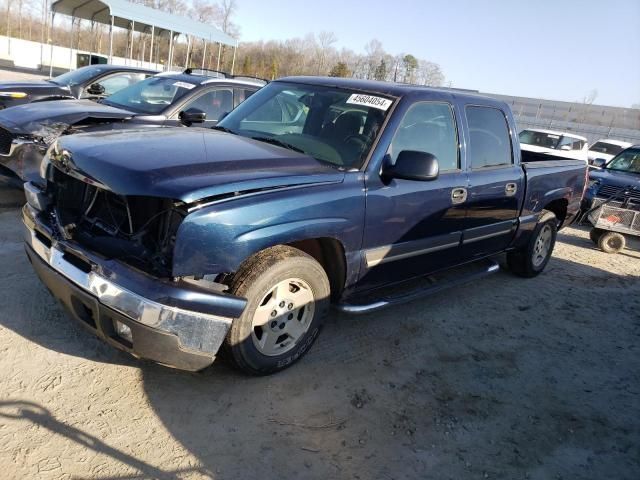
(606, 148)
(539, 139)
(77, 77)
(150, 96)
(333, 125)
(627, 161)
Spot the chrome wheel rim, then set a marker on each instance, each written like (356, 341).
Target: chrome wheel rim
(283, 317)
(542, 246)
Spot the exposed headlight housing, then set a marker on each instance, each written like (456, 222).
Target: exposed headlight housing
(13, 94)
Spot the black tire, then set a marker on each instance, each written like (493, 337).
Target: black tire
(612, 242)
(527, 262)
(595, 234)
(255, 281)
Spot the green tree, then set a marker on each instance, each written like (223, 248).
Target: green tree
(274, 69)
(381, 71)
(410, 64)
(246, 65)
(340, 69)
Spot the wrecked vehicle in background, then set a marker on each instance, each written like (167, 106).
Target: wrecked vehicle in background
(171, 243)
(167, 99)
(90, 82)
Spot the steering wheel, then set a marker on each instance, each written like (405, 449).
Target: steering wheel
(358, 140)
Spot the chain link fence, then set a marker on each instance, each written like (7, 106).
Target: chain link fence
(591, 121)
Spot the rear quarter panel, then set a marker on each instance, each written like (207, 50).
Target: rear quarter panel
(546, 182)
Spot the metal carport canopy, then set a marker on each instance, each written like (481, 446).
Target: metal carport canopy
(125, 14)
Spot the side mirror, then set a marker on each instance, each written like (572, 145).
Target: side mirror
(412, 165)
(192, 115)
(95, 89)
(566, 148)
(599, 162)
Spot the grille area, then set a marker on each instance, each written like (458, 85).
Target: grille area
(606, 191)
(137, 230)
(5, 141)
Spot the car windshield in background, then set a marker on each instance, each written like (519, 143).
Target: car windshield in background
(539, 139)
(333, 125)
(150, 96)
(608, 148)
(627, 161)
(77, 77)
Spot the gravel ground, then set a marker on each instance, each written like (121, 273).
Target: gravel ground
(20, 74)
(511, 379)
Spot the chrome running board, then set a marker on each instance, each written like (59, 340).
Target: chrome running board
(412, 294)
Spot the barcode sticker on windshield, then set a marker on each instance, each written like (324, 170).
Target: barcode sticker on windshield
(370, 101)
(186, 85)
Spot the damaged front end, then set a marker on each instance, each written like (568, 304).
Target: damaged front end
(139, 231)
(21, 154)
(107, 258)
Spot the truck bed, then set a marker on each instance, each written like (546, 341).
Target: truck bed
(552, 178)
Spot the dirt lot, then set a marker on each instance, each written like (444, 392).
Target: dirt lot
(511, 379)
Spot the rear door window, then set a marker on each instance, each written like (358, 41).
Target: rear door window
(489, 139)
(214, 103)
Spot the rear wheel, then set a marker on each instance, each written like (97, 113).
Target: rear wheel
(288, 296)
(612, 242)
(533, 258)
(595, 235)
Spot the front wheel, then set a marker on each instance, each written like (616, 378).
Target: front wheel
(287, 294)
(533, 258)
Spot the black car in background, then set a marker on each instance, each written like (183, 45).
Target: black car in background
(93, 81)
(192, 97)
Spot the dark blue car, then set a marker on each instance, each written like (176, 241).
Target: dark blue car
(169, 243)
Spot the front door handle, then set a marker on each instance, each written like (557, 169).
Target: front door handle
(510, 189)
(458, 195)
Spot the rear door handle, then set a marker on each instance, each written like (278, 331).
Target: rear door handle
(510, 189)
(458, 195)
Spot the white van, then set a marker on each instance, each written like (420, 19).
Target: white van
(554, 143)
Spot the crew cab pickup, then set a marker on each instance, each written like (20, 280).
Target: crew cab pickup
(169, 243)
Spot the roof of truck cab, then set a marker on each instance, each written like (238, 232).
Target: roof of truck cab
(385, 88)
(555, 132)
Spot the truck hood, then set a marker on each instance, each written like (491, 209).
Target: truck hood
(187, 164)
(39, 117)
(615, 178)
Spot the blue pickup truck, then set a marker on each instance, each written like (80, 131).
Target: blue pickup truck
(173, 244)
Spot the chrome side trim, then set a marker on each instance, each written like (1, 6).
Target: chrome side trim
(380, 255)
(488, 235)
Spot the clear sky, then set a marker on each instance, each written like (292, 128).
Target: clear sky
(558, 49)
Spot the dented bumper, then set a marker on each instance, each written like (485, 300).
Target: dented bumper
(163, 321)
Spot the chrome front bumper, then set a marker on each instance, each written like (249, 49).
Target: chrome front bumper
(196, 335)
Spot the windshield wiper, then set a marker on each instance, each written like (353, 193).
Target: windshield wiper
(223, 129)
(279, 143)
